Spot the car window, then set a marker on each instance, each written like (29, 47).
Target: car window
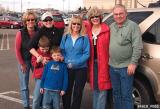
(13, 19)
(137, 17)
(1, 18)
(152, 35)
(6, 19)
(84, 17)
(57, 18)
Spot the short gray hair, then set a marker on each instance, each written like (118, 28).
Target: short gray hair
(119, 6)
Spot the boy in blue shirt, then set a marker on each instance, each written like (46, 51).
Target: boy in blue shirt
(54, 80)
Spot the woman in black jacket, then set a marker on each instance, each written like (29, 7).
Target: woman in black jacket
(48, 29)
(54, 35)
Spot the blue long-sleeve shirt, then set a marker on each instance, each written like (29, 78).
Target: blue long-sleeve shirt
(78, 53)
(55, 76)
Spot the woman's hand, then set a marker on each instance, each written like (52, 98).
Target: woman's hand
(41, 90)
(24, 68)
(62, 93)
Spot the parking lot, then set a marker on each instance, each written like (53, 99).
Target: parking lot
(9, 86)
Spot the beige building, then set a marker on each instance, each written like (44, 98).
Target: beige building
(108, 4)
(102, 4)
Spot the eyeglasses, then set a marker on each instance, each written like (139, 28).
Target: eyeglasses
(95, 17)
(30, 20)
(76, 24)
(48, 19)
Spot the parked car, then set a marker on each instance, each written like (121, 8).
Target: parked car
(10, 22)
(147, 77)
(66, 20)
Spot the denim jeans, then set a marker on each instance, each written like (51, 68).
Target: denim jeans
(37, 96)
(122, 85)
(99, 99)
(24, 82)
(51, 99)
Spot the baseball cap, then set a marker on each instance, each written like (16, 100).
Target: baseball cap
(46, 14)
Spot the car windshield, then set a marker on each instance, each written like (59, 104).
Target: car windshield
(57, 18)
(137, 17)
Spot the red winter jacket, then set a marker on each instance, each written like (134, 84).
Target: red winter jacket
(102, 57)
(38, 67)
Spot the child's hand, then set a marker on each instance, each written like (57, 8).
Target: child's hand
(45, 60)
(62, 93)
(41, 90)
(39, 59)
(61, 58)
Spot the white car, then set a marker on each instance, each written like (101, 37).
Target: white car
(147, 77)
(66, 20)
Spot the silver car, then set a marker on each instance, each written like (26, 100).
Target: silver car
(146, 91)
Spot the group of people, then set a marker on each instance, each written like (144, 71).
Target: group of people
(61, 64)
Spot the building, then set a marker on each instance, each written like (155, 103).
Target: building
(108, 4)
(102, 4)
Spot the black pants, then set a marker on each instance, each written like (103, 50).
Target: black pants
(76, 82)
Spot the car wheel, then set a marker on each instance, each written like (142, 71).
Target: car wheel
(142, 94)
(11, 26)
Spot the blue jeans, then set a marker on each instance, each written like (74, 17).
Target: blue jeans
(122, 85)
(99, 99)
(37, 96)
(24, 82)
(51, 99)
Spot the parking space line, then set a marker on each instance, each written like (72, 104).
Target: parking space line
(11, 98)
(6, 97)
(9, 92)
(7, 42)
(2, 42)
(5, 37)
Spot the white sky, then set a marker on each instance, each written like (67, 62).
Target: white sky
(15, 5)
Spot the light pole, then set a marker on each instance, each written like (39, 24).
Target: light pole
(28, 5)
(135, 3)
(68, 5)
(63, 5)
(13, 5)
(21, 6)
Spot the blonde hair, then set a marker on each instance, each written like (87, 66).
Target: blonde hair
(26, 15)
(77, 19)
(95, 11)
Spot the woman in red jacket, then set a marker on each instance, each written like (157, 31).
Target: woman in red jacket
(99, 35)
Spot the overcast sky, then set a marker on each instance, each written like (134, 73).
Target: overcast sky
(15, 5)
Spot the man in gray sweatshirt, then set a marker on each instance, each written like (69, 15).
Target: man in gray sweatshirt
(125, 51)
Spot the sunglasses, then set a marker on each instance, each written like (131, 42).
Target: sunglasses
(95, 17)
(30, 20)
(76, 24)
(48, 19)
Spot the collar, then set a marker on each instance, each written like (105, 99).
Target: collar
(123, 25)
